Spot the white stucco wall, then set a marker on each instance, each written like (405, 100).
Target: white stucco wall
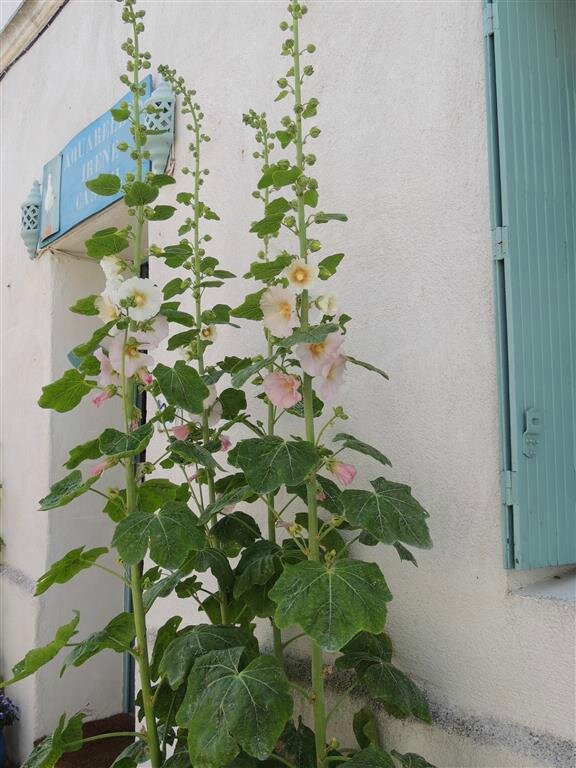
(403, 152)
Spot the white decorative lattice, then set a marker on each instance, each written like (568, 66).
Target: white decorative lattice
(161, 119)
(30, 217)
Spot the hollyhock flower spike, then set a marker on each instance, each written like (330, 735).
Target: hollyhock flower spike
(282, 389)
(301, 275)
(279, 310)
(344, 473)
(134, 359)
(331, 379)
(141, 298)
(314, 357)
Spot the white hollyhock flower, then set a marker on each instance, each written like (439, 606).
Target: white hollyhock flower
(301, 275)
(208, 333)
(279, 310)
(112, 266)
(213, 406)
(107, 309)
(141, 297)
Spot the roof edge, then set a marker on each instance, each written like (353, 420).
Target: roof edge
(31, 19)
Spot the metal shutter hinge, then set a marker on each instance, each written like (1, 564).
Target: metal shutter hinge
(499, 243)
(490, 19)
(509, 488)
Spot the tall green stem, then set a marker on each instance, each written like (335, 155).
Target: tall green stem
(270, 499)
(128, 393)
(198, 308)
(319, 705)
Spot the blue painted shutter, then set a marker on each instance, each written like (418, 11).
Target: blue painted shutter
(531, 59)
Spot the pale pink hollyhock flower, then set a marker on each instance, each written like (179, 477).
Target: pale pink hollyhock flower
(225, 443)
(278, 306)
(145, 377)
(134, 359)
(301, 275)
(180, 431)
(332, 378)
(101, 398)
(107, 376)
(282, 389)
(213, 406)
(97, 469)
(158, 331)
(344, 473)
(314, 357)
(320, 495)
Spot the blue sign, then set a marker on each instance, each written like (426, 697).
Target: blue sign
(66, 201)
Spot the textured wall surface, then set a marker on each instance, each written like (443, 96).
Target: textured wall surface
(403, 152)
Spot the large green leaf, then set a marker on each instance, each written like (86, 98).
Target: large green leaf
(87, 347)
(171, 533)
(165, 635)
(117, 636)
(192, 453)
(270, 462)
(364, 650)
(86, 306)
(297, 745)
(250, 307)
(268, 270)
(38, 657)
(65, 393)
(80, 453)
(353, 444)
(260, 562)
(183, 651)
(399, 695)
(411, 760)
(157, 491)
(365, 728)
(389, 512)
(105, 184)
(227, 708)
(371, 656)
(68, 566)
(371, 757)
(181, 386)
(332, 602)
(65, 490)
(119, 445)
(235, 531)
(107, 242)
(140, 193)
(66, 738)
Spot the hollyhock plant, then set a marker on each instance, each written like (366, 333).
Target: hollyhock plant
(282, 389)
(278, 310)
(183, 519)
